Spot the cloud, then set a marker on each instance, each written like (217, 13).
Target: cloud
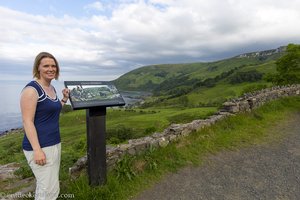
(137, 33)
(94, 6)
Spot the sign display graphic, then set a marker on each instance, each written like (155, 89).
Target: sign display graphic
(87, 94)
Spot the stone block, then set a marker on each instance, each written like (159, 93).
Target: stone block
(162, 142)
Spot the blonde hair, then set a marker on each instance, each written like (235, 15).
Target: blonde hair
(37, 62)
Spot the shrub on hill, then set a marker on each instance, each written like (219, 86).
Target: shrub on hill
(252, 88)
(249, 76)
(288, 67)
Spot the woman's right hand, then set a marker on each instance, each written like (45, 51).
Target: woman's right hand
(39, 157)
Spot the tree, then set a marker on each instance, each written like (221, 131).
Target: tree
(183, 100)
(249, 76)
(288, 67)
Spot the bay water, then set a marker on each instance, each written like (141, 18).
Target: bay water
(10, 112)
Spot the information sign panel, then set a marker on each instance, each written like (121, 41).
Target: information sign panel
(88, 94)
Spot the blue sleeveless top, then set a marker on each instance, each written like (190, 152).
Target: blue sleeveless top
(46, 119)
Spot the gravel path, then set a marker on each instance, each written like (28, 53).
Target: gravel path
(267, 171)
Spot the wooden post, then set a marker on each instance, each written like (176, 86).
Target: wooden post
(96, 145)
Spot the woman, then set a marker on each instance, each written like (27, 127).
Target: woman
(40, 109)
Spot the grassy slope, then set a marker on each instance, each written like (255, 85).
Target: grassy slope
(73, 128)
(183, 76)
(139, 122)
(231, 133)
(222, 91)
(157, 74)
(139, 172)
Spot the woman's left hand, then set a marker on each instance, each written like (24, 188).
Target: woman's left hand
(66, 93)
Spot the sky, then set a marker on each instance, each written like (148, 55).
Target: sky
(102, 40)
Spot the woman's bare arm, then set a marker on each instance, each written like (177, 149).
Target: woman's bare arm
(28, 103)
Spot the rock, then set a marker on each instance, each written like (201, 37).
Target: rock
(7, 171)
(163, 142)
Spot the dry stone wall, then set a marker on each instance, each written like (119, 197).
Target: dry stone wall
(135, 146)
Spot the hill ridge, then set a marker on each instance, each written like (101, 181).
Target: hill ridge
(262, 53)
(148, 78)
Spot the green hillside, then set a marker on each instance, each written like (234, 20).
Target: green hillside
(222, 89)
(162, 78)
(201, 84)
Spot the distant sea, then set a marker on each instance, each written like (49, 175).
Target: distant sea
(10, 113)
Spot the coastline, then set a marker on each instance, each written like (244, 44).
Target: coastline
(11, 131)
(10, 121)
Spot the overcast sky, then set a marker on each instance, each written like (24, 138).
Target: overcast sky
(101, 40)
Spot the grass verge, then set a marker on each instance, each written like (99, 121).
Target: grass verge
(134, 174)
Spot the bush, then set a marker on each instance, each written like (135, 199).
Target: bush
(66, 109)
(252, 88)
(181, 118)
(288, 67)
(114, 140)
(121, 133)
(124, 169)
(149, 130)
(80, 146)
(250, 76)
(24, 171)
(12, 147)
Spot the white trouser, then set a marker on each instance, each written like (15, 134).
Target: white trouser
(47, 176)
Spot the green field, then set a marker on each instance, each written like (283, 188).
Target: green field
(134, 174)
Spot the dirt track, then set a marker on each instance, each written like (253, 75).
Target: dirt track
(267, 171)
